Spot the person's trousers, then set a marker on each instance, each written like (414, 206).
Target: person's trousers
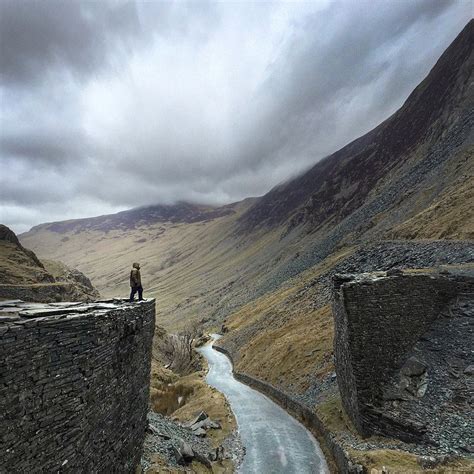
(134, 291)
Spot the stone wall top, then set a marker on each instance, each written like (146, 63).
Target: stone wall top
(21, 312)
(461, 272)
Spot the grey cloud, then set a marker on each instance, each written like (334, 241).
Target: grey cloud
(36, 36)
(316, 71)
(26, 193)
(40, 146)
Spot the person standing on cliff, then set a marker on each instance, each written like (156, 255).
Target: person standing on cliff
(136, 283)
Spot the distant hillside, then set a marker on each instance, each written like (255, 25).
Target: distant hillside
(142, 216)
(24, 276)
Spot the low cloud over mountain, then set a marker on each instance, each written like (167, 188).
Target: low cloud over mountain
(107, 106)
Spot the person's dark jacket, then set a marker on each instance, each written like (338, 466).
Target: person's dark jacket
(135, 277)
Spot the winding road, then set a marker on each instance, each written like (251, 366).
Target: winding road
(274, 441)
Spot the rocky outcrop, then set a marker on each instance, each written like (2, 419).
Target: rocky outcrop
(403, 351)
(75, 385)
(23, 276)
(44, 293)
(7, 235)
(79, 287)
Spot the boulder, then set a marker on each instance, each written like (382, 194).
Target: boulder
(218, 454)
(178, 456)
(206, 424)
(200, 432)
(413, 367)
(198, 426)
(210, 424)
(186, 451)
(203, 460)
(202, 416)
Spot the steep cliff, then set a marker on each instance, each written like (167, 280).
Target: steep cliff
(75, 385)
(414, 382)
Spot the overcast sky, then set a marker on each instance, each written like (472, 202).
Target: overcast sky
(108, 106)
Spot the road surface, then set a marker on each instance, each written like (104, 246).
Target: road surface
(274, 441)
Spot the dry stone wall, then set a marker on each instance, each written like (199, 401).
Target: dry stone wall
(74, 386)
(399, 339)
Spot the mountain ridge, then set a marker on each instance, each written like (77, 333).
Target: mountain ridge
(300, 198)
(181, 211)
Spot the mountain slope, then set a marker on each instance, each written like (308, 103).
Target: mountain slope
(142, 216)
(340, 183)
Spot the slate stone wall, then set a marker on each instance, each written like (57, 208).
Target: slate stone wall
(74, 390)
(378, 321)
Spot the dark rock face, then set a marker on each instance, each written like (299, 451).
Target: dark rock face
(402, 344)
(77, 286)
(74, 382)
(68, 290)
(41, 293)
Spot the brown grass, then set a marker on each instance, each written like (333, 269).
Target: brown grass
(208, 399)
(451, 214)
(392, 461)
(18, 268)
(332, 414)
(300, 347)
(285, 336)
(184, 397)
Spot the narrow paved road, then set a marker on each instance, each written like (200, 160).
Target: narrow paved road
(274, 441)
